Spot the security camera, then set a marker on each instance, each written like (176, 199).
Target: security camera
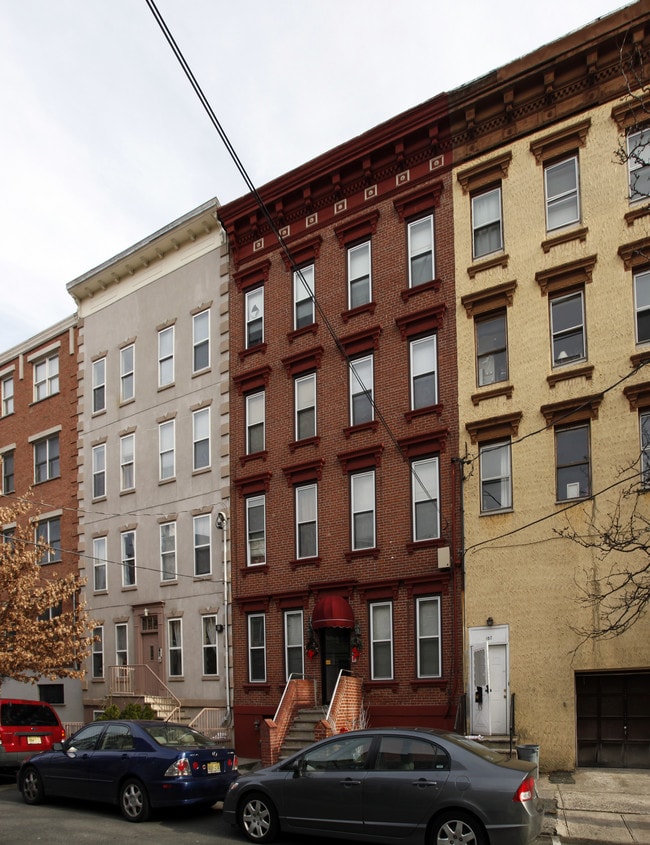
(221, 520)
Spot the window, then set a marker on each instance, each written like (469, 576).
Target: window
(7, 461)
(255, 423)
(202, 550)
(46, 459)
(361, 390)
(99, 385)
(98, 652)
(256, 648)
(425, 496)
(381, 639)
(166, 432)
(568, 328)
(428, 637)
(496, 481)
(128, 558)
(121, 644)
(255, 530)
(201, 341)
(175, 633)
(306, 521)
(642, 306)
(359, 283)
(363, 510)
(305, 398)
(303, 297)
(420, 246)
(562, 198)
(487, 223)
(51, 693)
(168, 551)
(572, 462)
(99, 471)
(293, 643)
(638, 157)
(201, 439)
(7, 390)
(127, 373)
(424, 390)
(491, 349)
(46, 377)
(52, 612)
(397, 753)
(644, 425)
(254, 317)
(99, 564)
(49, 532)
(209, 641)
(166, 357)
(127, 462)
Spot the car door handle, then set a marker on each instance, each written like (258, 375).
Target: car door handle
(350, 782)
(422, 783)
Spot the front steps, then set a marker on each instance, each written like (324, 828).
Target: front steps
(301, 732)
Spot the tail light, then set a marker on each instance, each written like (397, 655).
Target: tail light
(526, 790)
(179, 768)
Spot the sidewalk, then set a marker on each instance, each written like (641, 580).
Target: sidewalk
(605, 806)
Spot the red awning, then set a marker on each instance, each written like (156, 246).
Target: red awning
(332, 612)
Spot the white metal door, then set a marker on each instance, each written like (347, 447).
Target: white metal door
(489, 689)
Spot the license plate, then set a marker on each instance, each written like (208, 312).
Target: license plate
(33, 740)
(213, 768)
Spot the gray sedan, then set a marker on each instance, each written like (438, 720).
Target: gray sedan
(392, 786)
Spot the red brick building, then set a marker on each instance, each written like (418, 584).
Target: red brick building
(344, 430)
(38, 451)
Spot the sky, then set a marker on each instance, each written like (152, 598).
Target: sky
(103, 141)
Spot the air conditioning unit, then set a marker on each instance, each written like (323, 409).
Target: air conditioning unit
(444, 557)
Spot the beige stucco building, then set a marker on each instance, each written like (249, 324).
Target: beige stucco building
(552, 255)
(154, 470)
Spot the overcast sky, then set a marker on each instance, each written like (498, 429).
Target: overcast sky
(103, 141)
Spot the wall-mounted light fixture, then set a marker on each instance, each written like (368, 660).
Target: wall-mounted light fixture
(490, 621)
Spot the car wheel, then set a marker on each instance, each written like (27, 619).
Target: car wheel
(457, 827)
(258, 819)
(134, 801)
(31, 787)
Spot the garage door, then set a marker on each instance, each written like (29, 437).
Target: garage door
(613, 719)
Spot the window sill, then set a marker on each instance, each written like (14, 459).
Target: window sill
(255, 686)
(312, 328)
(373, 425)
(128, 401)
(252, 350)
(419, 683)
(254, 567)
(171, 582)
(254, 456)
(434, 285)
(366, 308)
(201, 372)
(497, 512)
(565, 238)
(305, 561)
(127, 492)
(129, 588)
(636, 213)
(585, 372)
(201, 471)
(416, 545)
(437, 410)
(163, 481)
(488, 264)
(506, 390)
(357, 554)
(163, 387)
(308, 441)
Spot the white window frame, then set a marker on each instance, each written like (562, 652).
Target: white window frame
(304, 309)
(381, 639)
(45, 532)
(357, 282)
(554, 201)
(305, 406)
(491, 353)
(423, 355)
(127, 373)
(254, 647)
(562, 335)
(424, 637)
(254, 299)
(425, 497)
(496, 474)
(294, 647)
(128, 559)
(644, 434)
(168, 559)
(175, 646)
(201, 341)
(7, 387)
(167, 450)
(568, 473)
(201, 439)
(419, 248)
(306, 508)
(99, 471)
(52, 462)
(127, 462)
(362, 390)
(255, 538)
(362, 504)
(202, 541)
(209, 645)
(166, 357)
(99, 385)
(97, 657)
(46, 377)
(121, 644)
(100, 565)
(642, 306)
(638, 160)
(485, 221)
(255, 422)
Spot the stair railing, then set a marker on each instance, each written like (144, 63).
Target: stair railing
(140, 680)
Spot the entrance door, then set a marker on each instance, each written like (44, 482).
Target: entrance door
(151, 645)
(335, 648)
(489, 689)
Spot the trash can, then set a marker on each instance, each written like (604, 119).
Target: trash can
(529, 753)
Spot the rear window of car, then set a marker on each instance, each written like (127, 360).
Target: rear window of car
(23, 715)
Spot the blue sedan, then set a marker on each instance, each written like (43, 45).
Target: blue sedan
(138, 765)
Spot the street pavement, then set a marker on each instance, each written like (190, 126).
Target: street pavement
(589, 806)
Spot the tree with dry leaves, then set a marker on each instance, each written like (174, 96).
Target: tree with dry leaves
(44, 627)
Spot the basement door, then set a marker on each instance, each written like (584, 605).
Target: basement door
(488, 693)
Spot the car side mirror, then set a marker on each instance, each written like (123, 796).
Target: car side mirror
(57, 746)
(299, 768)
(71, 751)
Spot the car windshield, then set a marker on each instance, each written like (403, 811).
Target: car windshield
(179, 736)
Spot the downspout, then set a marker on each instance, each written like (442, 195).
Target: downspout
(222, 526)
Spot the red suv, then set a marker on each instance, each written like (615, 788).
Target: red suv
(25, 728)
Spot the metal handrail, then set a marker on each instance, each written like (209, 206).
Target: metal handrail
(294, 676)
(140, 679)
